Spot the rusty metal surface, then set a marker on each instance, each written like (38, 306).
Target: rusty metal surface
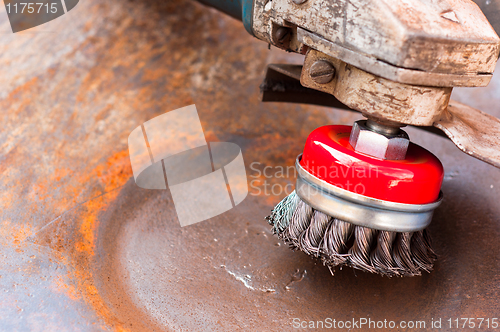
(82, 248)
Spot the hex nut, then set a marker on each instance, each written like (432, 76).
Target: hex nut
(379, 145)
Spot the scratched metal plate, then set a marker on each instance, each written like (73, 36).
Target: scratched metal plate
(82, 248)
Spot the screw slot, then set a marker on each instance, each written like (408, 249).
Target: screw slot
(322, 72)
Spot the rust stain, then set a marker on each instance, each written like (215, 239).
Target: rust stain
(20, 233)
(86, 243)
(114, 173)
(76, 242)
(66, 288)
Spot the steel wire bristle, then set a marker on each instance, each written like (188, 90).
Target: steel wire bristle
(402, 255)
(423, 254)
(301, 219)
(283, 212)
(359, 254)
(310, 239)
(339, 243)
(382, 256)
(334, 249)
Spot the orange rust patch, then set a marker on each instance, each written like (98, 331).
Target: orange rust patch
(87, 229)
(114, 173)
(20, 233)
(28, 86)
(68, 289)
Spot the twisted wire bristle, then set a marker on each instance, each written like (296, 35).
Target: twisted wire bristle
(402, 255)
(339, 243)
(299, 222)
(334, 249)
(424, 255)
(359, 254)
(382, 255)
(283, 212)
(311, 237)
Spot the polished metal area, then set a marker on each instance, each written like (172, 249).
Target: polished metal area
(362, 210)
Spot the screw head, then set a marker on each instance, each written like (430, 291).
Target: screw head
(322, 72)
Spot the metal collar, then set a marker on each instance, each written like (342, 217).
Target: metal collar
(362, 210)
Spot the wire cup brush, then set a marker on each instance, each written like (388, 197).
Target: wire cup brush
(363, 198)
